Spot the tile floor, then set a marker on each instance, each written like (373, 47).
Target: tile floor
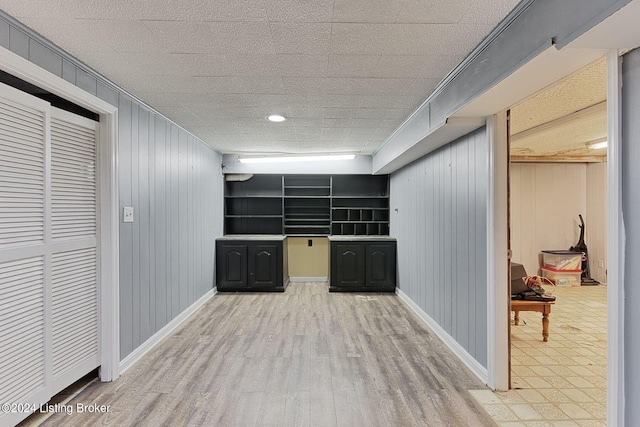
(562, 382)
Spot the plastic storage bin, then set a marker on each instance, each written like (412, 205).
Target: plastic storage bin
(562, 277)
(562, 260)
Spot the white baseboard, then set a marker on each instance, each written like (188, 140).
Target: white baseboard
(149, 344)
(476, 368)
(308, 279)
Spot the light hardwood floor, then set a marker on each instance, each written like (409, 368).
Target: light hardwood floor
(305, 357)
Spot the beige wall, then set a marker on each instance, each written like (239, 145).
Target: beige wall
(596, 235)
(308, 261)
(545, 202)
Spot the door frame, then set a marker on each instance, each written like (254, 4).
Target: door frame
(108, 217)
(615, 245)
(498, 256)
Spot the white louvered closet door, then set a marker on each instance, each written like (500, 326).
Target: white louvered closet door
(74, 285)
(48, 262)
(24, 307)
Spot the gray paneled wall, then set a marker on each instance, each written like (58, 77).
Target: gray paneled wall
(171, 179)
(174, 183)
(631, 214)
(439, 216)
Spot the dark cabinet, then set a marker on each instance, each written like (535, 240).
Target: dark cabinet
(250, 265)
(231, 265)
(362, 265)
(263, 265)
(349, 263)
(381, 265)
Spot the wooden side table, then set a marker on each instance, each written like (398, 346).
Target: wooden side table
(544, 307)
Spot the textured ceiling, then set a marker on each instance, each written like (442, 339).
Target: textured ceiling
(345, 72)
(560, 120)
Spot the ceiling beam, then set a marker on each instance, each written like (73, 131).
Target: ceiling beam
(558, 159)
(597, 109)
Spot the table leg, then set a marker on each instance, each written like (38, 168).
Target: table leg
(545, 327)
(516, 318)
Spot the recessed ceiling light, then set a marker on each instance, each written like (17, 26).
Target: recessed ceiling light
(276, 118)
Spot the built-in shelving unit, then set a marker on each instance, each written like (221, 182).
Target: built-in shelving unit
(254, 206)
(360, 205)
(309, 205)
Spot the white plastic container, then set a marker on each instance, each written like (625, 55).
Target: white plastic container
(562, 277)
(562, 260)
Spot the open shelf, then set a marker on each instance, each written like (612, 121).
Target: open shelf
(360, 228)
(254, 205)
(307, 181)
(253, 225)
(360, 185)
(265, 186)
(306, 191)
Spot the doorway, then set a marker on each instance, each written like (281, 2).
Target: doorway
(558, 171)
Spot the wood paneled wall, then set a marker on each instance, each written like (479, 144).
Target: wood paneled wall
(596, 236)
(545, 202)
(439, 216)
(172, 180)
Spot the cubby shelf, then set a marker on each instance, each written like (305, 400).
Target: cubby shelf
(308, 205)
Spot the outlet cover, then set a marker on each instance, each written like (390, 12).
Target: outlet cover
(127, 214)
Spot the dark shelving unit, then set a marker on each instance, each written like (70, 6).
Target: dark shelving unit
(360, 205)
(309, 205)
(254, 206)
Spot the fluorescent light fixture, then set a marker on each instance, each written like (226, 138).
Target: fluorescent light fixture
(322, 158)
(597, 145)
(276, 118)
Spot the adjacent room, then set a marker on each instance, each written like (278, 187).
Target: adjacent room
(558, 141)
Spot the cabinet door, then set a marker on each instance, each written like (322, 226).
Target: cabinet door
(348, 259)
(381, 265)
(263, 265)
(231, 265)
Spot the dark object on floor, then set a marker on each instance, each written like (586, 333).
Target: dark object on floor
(581, 246)
(520, 290)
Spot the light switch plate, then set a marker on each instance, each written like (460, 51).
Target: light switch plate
(127, 214)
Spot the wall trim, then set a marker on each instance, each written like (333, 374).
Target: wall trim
(308, 279)
(166, 330)
(615, 246)
(109, 240)
(476, 368)
(498, 309)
